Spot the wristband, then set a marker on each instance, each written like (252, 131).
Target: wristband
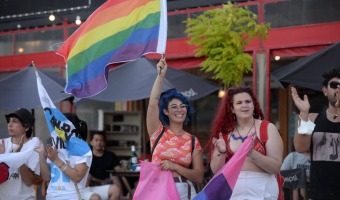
(305, 128)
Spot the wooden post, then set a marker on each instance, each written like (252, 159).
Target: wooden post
(283, 118)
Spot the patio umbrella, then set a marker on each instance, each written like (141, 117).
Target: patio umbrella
(306, 72)
(134, 80)
(20, 89)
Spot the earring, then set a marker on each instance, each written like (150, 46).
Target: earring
(234, 116)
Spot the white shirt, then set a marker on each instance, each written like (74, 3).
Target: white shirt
(61, 187)
(14, 188)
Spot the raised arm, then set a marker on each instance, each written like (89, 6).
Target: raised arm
(152, 116)
(302, 141)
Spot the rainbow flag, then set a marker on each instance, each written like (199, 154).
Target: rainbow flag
(222, 184)
(118, 31)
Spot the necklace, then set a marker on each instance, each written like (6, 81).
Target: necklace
(12, 149)
(240, 136)
(334, 115)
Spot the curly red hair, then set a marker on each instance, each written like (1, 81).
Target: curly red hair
(224, 121)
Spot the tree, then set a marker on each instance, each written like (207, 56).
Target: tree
(221, 35)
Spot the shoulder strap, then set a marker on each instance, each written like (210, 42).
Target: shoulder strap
(192, 143)
(156, 142)
(192, 149)
(263, 131)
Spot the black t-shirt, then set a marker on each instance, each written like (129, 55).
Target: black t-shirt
(325, 157)
(99, 165)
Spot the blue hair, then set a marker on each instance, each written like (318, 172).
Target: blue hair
(164, 100)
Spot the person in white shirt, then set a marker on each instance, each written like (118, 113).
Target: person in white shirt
(20, 183)
(66, 174)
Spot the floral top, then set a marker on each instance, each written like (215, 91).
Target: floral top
(176, 148)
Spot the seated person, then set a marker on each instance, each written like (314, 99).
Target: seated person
(297, 160)
(99, 181)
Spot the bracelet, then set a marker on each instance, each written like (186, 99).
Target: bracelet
(62, 165)
(305, 128)
(64, 168)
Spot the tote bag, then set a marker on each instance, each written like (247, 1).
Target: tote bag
(155, 184)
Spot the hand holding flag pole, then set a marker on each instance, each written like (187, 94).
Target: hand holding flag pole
(160, 69)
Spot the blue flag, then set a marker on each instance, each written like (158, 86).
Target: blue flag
(62, 131)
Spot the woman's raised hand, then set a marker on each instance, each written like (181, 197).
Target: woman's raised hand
(40, 149)
(219, 143)
(51, 152)
(162, 66)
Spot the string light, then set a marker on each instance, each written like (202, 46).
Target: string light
(78, 21)
(45, 12)
(21, 50)
(51, 17)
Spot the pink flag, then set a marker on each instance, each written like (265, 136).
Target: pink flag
(222, 184)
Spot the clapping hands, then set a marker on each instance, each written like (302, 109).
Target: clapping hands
(302, 104)
(2, 146)
(219, 143)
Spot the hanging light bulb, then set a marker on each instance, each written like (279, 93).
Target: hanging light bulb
(277, 58)
(51, 17)
(78, 21)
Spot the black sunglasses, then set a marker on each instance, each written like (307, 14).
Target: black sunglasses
(334, 84)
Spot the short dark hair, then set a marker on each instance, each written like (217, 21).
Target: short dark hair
(327, 76)
(93, 133)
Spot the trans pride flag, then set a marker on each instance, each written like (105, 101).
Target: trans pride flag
(118, 31)
(60, 127)
(222, 184)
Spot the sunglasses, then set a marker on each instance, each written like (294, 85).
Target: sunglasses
(334, 84)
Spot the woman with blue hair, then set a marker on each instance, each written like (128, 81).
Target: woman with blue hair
(172, 147)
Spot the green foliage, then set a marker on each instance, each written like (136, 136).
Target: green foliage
(221, 35)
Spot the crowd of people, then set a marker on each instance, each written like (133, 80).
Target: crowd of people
(239, 117)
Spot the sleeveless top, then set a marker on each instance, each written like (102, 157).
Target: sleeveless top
(176, 148)
(258, 146)
(325, 155)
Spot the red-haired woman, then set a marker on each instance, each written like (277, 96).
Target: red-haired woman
(239, 116)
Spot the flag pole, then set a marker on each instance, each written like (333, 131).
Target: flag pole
(32, 109)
